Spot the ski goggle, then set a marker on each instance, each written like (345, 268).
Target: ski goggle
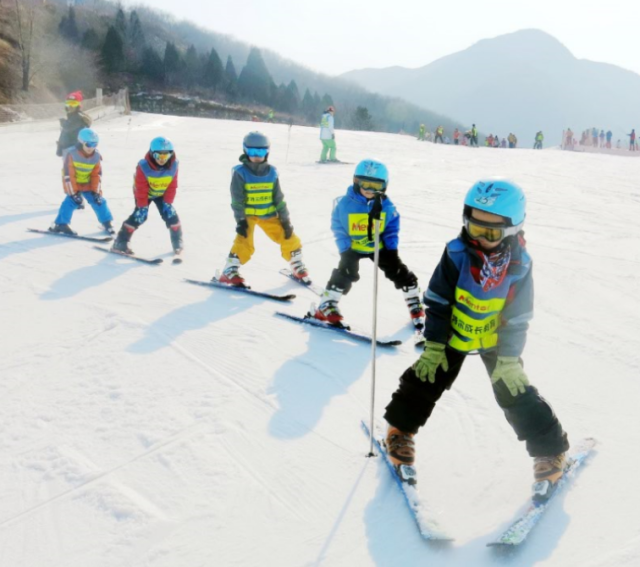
(90, 144)
(162, 157)
(488, 231)
(257, 152)
(72, 104)
(377, 186)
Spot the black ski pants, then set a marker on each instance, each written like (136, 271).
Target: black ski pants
(170, 217)
(347, 272)
(529, 414)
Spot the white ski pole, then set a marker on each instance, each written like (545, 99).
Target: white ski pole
(286, 159)
(375, 219)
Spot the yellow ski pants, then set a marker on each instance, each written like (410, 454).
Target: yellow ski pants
(244, 249)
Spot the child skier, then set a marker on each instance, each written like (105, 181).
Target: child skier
(349, 223)
(257, 199)
(155, 181)
(75, 121)
(81, 177)
(480, 298)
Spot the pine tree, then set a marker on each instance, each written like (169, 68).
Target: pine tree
(136, 35)
(113, 52)
(90, 40)
(291, 102)
(152, 64)
(231, 79)
(192, 69)
(214, 73)
(68, 26)
(362, 120)
(255, 82)
(172, 65)
(121, 22)
(308, 106)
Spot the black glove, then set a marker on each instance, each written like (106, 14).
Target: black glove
(97, 197)
(78, 200)
(288, 229)
(374, 214)
(242, 227)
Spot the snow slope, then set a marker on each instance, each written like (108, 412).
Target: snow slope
(147, 422)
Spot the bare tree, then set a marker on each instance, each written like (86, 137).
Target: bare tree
(25, 17)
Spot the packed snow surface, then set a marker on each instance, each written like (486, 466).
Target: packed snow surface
(148, 422)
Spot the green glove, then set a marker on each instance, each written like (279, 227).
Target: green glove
(430, 360)
(510, 371)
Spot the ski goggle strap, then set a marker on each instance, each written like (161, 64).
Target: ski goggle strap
(488, 231)
(257, 152)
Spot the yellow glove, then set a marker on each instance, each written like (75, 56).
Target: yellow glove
(510, 371)
(430, 360)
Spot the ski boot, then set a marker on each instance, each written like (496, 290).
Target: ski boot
(547, 471)
(121, 243)
(328, 310)
(176, 239)
(231, 272)
(108, 227)
(62, 229)
(416, 311)
(401, 450)
(298, 269)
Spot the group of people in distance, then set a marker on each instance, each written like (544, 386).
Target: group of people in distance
(479, 298)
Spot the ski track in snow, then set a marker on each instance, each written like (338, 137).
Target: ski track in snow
(147, 422)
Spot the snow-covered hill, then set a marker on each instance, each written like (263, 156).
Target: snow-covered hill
(147, 422)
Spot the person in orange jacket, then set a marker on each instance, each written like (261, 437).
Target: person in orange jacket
(82, 179)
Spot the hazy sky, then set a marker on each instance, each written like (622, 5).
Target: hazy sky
(334, 36)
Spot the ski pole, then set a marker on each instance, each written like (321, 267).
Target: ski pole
(286, 159)
(374, 219)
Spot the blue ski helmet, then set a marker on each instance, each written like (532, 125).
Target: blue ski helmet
(499, 197)
(160, 144)
(372, 170)
(88, 137)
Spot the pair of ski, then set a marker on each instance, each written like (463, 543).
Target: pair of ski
(518, 530)
(103, 240)
(308, 319)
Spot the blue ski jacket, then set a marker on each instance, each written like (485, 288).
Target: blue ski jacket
(350, 222)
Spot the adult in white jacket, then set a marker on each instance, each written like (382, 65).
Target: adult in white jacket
(327, 136)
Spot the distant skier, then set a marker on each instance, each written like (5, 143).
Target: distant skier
(632, 140)
(601, 136)
(75, 121)
(257, 200)
(473, 139)
(609, 136)
(421, 132)
(439, 135)
(82, 179)
(480, 298)
(456, 137)
(155, 181)
(350, 226)
(538, 141)
(568, 139)
(328, 136)
(594, 137)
